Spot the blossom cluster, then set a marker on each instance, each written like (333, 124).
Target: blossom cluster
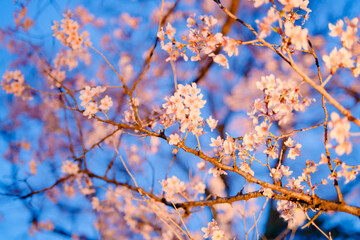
(294, 150)
(287, 209)
(281, 98)
(348, 175)
(21, 21)
(213, 231)
(340, 128)
(83, 181)
(200, 40)
(291, 213)
(224, 147)
(129, 115)
(69, 167)
(13, 82)
(172, 186)
(296, 36)
(119, 206)
(87, 96)
(184, 107)
(265, 24)
(349, 39)
(227, 150)
(278, 173)
(68, 32)
(68, 58)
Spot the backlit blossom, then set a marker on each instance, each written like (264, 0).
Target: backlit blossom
(184, 106)
(106, 103)
(336, 30)
(85, 96)
(69, 167)
(298, 219)
(285, 170)
(286, 209)
(273, 152)
(68, 33)
(258, 3)
(174, 139)
(221, 60)
(349, 37)
(276, 174)
(295, 184)
(13, 82)
(289, 4)
(323, 159)
(229, 146)
(213, 231)
(231, 47)
(297, 35)
(340, 128)
(246, 168)
(170, 31)
(344, 147)
(199, 187)
(265, 24)
(349, 175)
(295, 151)
(341, 58)
(210, 21)
(216, 142)
(289, 142)
(217, 172)
(91, 109)
(172, 186)
(267, 192)
(212, 123)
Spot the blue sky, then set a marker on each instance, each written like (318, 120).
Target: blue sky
(14, 216)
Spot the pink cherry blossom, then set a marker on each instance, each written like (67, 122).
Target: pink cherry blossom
(174, 139)
(106, 103)
(212, 123)
(295, 151)
(297, 35)
(258, 3)
(336, 30)
(69, 167)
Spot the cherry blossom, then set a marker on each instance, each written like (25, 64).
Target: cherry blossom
(174, 139)
(258, 3)
(246, 168)
(294, 151)
(349, 175)
(212, 123)
(106, 103)
(265, 25)
(69, 167)
(68, 32)
(221, 60)
(184, 106)
(340, 128)
(144, 105)
(336, 30)
(297, 35)
(341, 58)
(90, 109)
(213, 231)
(13, 82)
(172, 186)
(289, 4)
(267, 192)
